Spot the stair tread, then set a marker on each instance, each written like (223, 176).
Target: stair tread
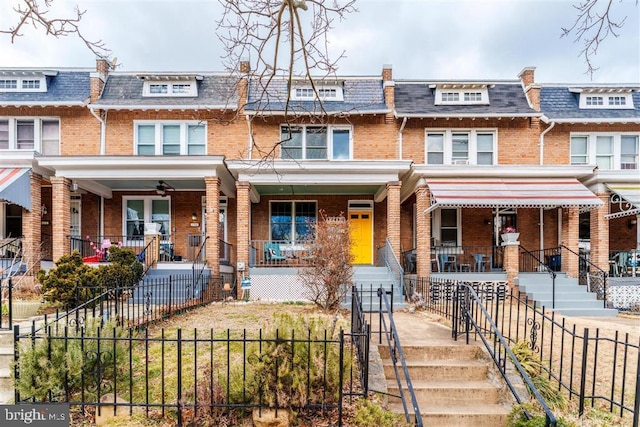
(439, 362)
(5, 372)
(445, 384)
(459, 408)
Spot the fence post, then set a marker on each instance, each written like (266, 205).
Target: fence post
(341, 378)
(170, 293)
(179, 380)
(454, 314)
(10, 305)
(636, 405)
(16, 358)
(583, 371)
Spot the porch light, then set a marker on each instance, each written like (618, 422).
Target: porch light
(631, 223)
(194, 217)
(43, 210)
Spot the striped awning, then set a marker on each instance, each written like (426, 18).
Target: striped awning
(15, 186)
(627, 197)
(510, 193)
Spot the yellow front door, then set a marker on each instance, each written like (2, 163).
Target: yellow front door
(361, 226)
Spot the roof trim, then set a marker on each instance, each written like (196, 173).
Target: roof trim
(455, 114)
(163, 107)
(309, 113)
(546, 119)
(44, 103)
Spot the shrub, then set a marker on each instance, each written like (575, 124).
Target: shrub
(55, 367)
(518, 418)
(369, 413)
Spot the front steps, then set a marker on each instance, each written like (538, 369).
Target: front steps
(368, 279)
(571, 298)
(7, 393)
(169, 283)
(450, 379)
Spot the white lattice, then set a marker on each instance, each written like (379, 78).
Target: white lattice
(624, 297)
(277, 287)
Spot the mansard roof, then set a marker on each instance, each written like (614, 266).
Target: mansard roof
(506, 99)
(361, 95)
(562, 103)
(125, 91)
(64, 87)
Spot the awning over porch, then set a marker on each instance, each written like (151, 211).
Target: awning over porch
(510, 193)
(628, 198)
(15, 186)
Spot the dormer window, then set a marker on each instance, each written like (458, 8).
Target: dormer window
(169, 86)
(604, 98)
(325, 93)
(28, 83)
(461, 94)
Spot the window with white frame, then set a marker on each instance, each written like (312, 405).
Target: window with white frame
(292, 221)
(138, 210)
(39, 134)
(446, 147)
(447, 226)
(23, 84)
(154, 88)
(315, 142)
(610, 151)
(325, 93)
(617, 100)
(457, 95)
(170, 138)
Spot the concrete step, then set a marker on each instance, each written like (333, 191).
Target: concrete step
(588, 312)
(434, 352)
(6, 382)
(6, 356)
(441, 370)
(6, 339)
(575, 295)
(458, 415)
(6, 397)
(444, 392)
(569, 303)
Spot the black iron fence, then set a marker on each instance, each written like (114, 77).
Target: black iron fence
(592, 365)
(541, 260)
(6, 304)
(191, 377)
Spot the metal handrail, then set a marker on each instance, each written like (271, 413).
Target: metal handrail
(393, 343)
(525, 251)
(604, 273)
(388, 256)
(199, 265)
(465, 314)
(9, 243)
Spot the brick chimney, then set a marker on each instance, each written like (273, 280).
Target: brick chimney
(531, 89)
(243, 84)
(389, 86)
(103, 66)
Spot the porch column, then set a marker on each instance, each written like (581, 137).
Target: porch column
(31, 226)
(599, 234)
(61, 208)
(423, 233)
(212, 201)
(393, 216)
(243, 222)
(570, 233)
(512, 262)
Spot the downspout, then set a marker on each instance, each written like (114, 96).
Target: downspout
(541, 226)
(250, 141)
(404, 122)
(103, 130)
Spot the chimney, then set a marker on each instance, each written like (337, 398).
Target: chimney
(243, 84)
(531, 89)
(389, 95)
(103, 66)
(245, 67)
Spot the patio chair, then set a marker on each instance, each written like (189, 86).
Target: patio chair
(448, 262)
(480, 261)
(272, 253)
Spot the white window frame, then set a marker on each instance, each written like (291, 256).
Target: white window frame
(473, 145)
(293, 238)
(329, 148)
(437, 225)
(608, 103)
(158, 138)
(147, 211)
(445, 96)
(20, 81)
(172, 88)
(617, 147)
(325, 93)
(37, 132)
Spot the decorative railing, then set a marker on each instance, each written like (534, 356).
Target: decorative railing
(274, 253)
(532, 262)
(387, 258)
(200, 263)
(590, 275)
(467, 258)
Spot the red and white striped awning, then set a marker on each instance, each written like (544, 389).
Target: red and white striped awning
(510, 193)
(15, 186)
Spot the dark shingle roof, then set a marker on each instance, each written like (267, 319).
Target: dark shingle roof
(418, 99)
(64, 87)
(125, 90)
(363, 95)
(558, 102)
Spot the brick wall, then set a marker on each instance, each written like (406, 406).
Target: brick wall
(31, 225)
(599, 234)
(61, 208)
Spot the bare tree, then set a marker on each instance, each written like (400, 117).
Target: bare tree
(329, 276)
(593, 24)
(37, 14)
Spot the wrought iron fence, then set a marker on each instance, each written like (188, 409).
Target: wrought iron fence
(6, 304)
(189, 377)
(541, 260)
(587, 364)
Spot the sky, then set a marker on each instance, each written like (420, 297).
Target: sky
(421, 39)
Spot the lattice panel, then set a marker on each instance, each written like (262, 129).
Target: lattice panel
(277, 287)
(624, 297)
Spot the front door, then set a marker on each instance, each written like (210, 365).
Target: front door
(361, 227)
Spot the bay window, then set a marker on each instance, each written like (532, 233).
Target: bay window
(170, 138)
(315, 142)
(446, 147)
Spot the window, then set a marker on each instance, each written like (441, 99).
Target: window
(23, 84)
(461, 94)
(8, 84)
(170, 138)
(42, 135)
(450, 97)
(619, 100)
(326, 93)
(472, 96)
(141, 210)
(30, 84)
(446, 147)
(446, 227)
(595, 100)
(609, 151)
(292, 221)
(315, 142)
(177, 88)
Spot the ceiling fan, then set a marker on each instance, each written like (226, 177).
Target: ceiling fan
(163, 187)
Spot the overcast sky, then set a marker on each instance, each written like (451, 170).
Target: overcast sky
(421, 39)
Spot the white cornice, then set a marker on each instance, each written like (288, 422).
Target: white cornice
(130, 107)
(43, 103)
(546, 119)
(467, 115)
(315, 113)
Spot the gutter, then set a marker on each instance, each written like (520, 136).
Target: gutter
(250, 137)
(542, 141)
(103, 130)
(404, 123)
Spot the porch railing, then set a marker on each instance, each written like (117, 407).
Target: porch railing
(590, 275)
(541, 260)
(388, 258)
(278, 253)
(467, 258)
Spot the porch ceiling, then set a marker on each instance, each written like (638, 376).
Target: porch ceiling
(301, 190)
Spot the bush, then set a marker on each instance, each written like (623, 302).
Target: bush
(369, 413)
(518, 417)
(55, 367)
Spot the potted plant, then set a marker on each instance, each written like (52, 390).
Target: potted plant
(509, 234)
(26, 298)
